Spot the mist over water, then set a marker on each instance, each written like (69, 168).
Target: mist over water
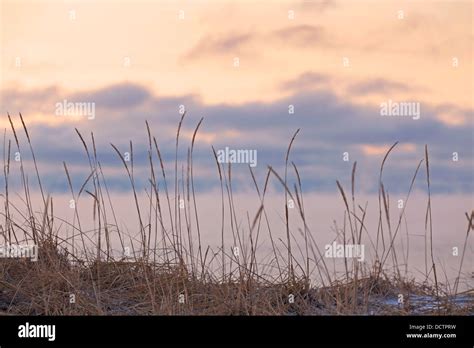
(324, 217)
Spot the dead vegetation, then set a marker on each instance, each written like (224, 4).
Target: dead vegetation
(169, 275)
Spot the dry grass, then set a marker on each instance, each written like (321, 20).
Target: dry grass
(169, 275)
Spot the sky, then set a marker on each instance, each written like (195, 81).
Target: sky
(349, 77)
(257, 72)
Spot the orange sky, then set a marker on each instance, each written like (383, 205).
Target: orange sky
(195, 55)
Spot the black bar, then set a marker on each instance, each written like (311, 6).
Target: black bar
(332, 330)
